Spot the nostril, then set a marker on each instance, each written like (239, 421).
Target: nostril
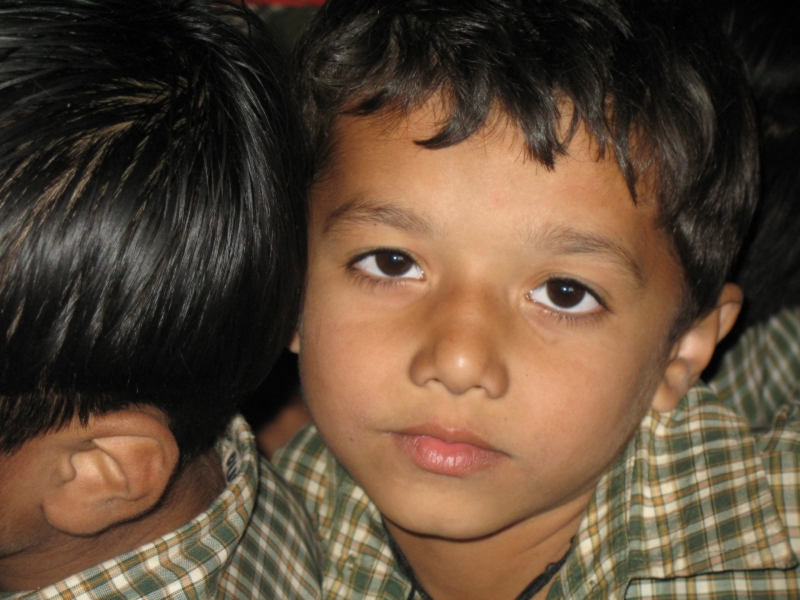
(461, 363)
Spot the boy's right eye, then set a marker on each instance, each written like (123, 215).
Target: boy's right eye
(388, 264)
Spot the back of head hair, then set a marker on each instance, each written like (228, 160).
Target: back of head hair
(654, 82)
(151, 213)
(765, 34)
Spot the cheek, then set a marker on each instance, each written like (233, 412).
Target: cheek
(629, 394)
(588, 399)
(345, 383)
(343, 365)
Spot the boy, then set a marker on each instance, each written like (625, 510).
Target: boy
(522, 221)
(148, 259)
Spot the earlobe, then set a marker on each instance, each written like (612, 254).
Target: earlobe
(294, 345)
(693, 351)
(118, 468)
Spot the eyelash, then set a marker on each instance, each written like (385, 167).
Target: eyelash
(365, 278)
(561, 316)
(568, 317)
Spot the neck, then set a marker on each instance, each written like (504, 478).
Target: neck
(496, 567)
(55, 555)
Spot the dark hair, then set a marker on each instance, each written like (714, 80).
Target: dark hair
(766, 36)
(152, 223)
(654, 82)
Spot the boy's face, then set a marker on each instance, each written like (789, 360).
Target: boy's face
(480, 336)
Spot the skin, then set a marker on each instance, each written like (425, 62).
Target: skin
(49, 531)
(476, 404)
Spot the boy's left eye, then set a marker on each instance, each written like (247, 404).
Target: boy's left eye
(566, 296)
(389, 264)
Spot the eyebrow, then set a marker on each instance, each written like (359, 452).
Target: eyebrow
(557, 240)
(360, 211)
(567, 240)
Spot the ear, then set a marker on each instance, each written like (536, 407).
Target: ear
(112, 470)
(693, 351)
(294, 345)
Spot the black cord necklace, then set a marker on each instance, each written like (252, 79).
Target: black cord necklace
(529, 592)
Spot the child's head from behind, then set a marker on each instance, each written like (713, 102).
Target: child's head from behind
(522, 221)
(148, 200)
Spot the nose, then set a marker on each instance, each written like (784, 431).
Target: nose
(463, 346)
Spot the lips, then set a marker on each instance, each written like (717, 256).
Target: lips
(445, 452)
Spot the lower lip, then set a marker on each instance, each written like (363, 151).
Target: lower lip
(444, 458)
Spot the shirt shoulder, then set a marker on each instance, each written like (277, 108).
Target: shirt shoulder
(697, 507)
(760, 373)
(756, 504)
(779, 448)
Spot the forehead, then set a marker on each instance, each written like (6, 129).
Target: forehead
(379, 173)
(371, 150)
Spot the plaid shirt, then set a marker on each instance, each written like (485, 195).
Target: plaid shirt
(697, 506)
(758, 374)
(254, 541)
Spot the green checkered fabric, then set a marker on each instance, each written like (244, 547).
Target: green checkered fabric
(254, 541)
(697, 506)
(758, 374)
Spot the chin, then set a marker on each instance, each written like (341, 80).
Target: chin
(448, 524)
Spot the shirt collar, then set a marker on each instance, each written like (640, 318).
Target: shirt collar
(688, 496)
